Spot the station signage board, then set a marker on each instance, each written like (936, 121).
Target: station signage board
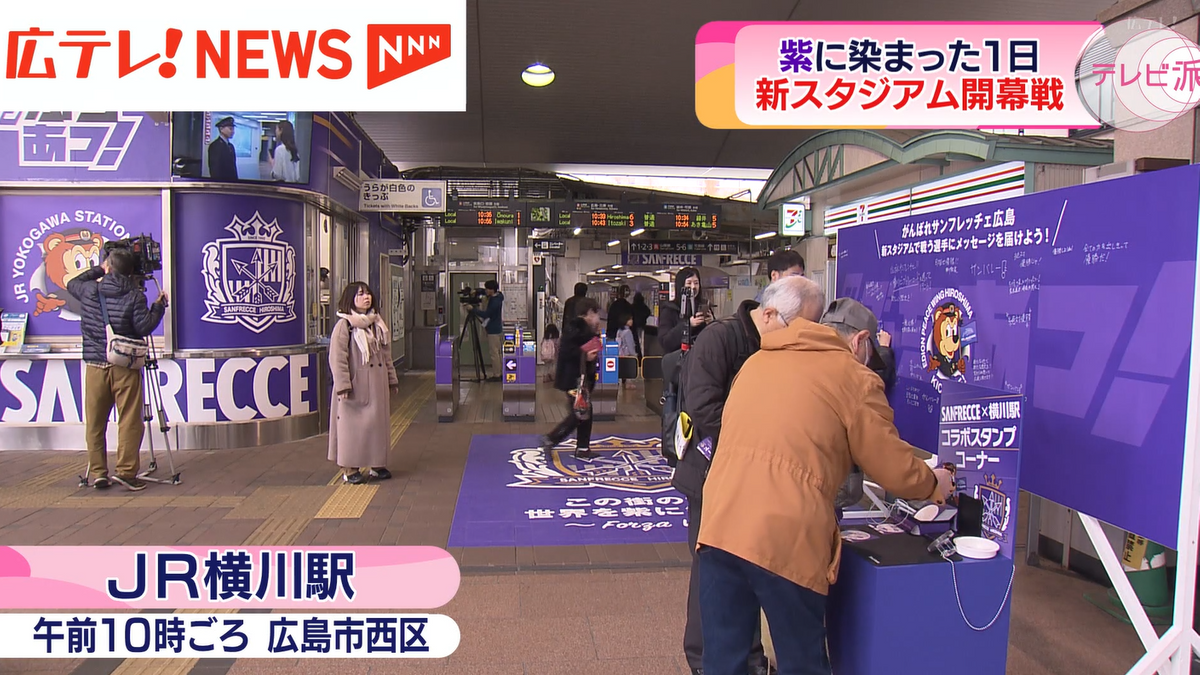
(701, 247)
(661, 260)
(394, 195)
(555, 247)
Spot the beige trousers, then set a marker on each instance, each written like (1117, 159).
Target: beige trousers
(104, 388)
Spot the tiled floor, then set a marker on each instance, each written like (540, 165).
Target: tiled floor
(579, 610)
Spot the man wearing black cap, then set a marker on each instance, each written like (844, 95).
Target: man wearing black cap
(222, 159)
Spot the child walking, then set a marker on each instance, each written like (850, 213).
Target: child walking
(549, 351)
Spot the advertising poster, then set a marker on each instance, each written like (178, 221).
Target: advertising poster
(195, 391)
(48, 240)
(980, 434)
(240, 284)
(1078, 298)
(84, 146)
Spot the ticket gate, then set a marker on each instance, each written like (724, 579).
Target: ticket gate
(604, 396)
(445, 374)
(518, 373)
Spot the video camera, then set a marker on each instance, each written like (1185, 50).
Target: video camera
(471, 296)
(147, 253)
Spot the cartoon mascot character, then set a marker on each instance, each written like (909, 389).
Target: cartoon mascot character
(66, 255)
(945, 343)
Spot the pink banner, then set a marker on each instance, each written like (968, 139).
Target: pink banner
(228, 577)
(891, 75)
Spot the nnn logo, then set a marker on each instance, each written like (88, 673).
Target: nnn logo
(395, 50)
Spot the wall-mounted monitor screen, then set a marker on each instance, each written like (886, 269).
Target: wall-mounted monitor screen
(273, 147)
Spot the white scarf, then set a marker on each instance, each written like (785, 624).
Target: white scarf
(368, 331)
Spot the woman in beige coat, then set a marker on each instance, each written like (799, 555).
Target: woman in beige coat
(360, 412)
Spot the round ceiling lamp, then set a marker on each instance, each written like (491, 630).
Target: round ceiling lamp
(537, 75)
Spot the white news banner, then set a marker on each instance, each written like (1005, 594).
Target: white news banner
(242, 636)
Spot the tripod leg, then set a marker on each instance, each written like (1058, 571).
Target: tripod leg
(480, 368)
(148, 380)
(163, 426)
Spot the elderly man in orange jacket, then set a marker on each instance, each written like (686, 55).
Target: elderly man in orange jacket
(803, 410)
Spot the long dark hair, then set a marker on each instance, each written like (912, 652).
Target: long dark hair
(681, 278)
(287, 135)
(346, 304)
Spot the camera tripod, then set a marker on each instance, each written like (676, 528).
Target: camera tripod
(152, 406)
(473, 324)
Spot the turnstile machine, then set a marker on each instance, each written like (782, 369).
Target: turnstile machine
(519, 376)
(445, 374)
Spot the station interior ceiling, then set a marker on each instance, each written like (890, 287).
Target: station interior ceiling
(624, 87)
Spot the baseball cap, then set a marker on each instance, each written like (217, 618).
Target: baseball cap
(852, 313)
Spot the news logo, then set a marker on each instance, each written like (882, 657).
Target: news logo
(394, 51)
(77, 50)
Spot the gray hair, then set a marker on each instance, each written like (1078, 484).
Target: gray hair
(844, 330)
(795, 297)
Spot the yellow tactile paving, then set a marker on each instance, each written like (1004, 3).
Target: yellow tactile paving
(228, 502)
(89, 500)
(292, 501)
(26, 497)
(57, 471)
(277, 531)
(348, 501)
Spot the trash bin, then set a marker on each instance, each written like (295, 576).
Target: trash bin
(1151, 583)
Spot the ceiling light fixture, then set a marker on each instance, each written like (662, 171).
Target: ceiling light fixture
(615, 242)
(617, 267)
(576, 231)
(765, 235)
(637, 232)
(601, 270)
(537, 75)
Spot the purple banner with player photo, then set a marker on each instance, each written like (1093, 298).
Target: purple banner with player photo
(980, 434)
(239, 271)
(48, 240)
(85, 147)
(1078, 298)
(511, 497)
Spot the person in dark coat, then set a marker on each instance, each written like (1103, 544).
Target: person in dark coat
(111, 290)
(578, 350)
(670, 327)
(569, 312)
(707, 376)
(618, 312)
(222, 158)
(641, 312)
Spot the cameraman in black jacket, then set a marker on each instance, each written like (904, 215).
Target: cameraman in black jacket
(124, 301)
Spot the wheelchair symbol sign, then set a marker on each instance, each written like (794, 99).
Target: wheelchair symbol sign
(431, 198)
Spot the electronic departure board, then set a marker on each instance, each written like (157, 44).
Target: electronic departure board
(607, 214)
(593, 214)
(679, 217)
(484, 213)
